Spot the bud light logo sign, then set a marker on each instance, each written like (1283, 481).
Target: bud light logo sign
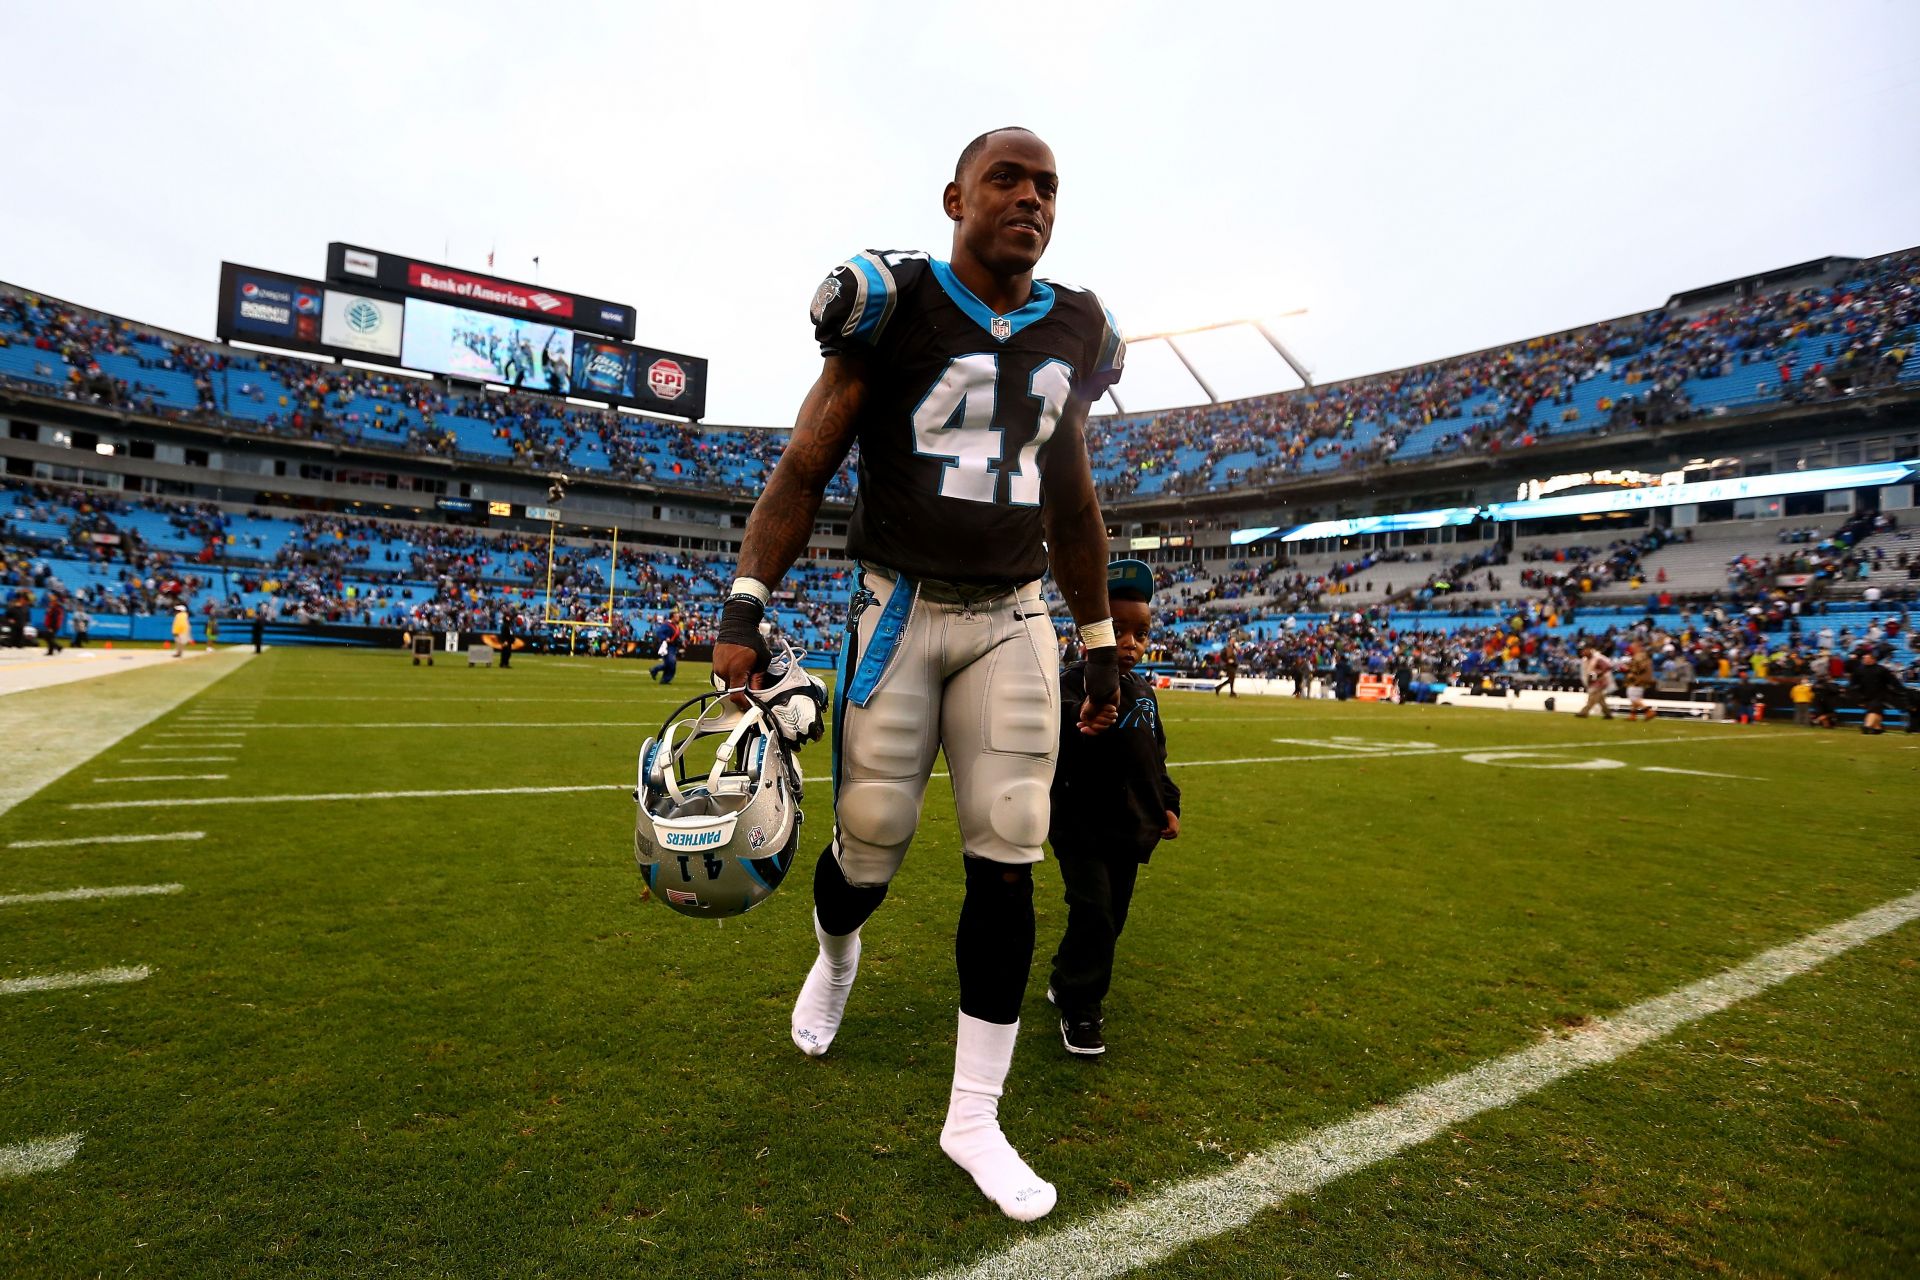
(604, 369)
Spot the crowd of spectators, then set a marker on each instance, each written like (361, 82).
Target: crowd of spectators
(1862, 331)
(354, 571)
(1794, 344)
(312, 400)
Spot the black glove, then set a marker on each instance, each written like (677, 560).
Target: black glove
(1103, 675)
(740, 624)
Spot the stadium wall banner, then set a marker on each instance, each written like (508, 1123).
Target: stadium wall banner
(609, 370)
(640, 377)
(485, 347)
(352, 265)
(265, 307)
(279, 310)
(355, 322)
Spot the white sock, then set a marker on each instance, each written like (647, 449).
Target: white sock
(823, 998)
(972, 1137)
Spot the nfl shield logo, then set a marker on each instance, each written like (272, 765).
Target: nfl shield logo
(1001, 328)
(756, 838)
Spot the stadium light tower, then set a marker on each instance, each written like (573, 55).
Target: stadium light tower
(1259, 326)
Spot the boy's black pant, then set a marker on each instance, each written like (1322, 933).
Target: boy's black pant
(1099, 890)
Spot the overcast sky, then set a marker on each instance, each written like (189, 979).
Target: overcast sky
(1424, 179)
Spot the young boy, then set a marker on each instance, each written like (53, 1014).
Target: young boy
(1112, 803)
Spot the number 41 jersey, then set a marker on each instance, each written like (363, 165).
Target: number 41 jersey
(961, 407)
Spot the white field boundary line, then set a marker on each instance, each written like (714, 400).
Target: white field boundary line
(41, 1155)
(177, 802)
(1366, 754)
(188, 760)
(66, 981)
(1158, 1225)
(79, 840)
(200, 735)
(196, 746)
(163, 777)
(85, 895)
(1358, 753)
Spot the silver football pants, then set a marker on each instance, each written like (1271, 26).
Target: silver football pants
(927, 666)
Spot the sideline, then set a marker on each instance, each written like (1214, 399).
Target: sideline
(41, 670)
(47, 733)
(1157, 1226)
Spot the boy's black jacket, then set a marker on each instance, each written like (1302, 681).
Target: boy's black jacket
(1111, 792)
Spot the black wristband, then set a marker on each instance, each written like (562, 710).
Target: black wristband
(740, 622)
(1103, 674)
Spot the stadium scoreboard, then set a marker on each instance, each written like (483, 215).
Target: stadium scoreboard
(391, 309)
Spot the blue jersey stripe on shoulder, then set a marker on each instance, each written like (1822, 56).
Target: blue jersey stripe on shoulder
(879, 298)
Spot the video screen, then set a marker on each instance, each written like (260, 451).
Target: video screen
(605, 369)
(485, 348)
(276, 306)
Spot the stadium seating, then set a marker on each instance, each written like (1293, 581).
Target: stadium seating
(1812, 343)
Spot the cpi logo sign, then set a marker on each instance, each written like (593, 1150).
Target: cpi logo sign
(666, 379)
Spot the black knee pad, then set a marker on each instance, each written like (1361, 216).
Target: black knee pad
(842, 907)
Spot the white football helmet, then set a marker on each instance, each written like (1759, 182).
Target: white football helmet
(716, 840)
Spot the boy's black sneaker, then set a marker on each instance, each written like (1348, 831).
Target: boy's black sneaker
(1080, 1032)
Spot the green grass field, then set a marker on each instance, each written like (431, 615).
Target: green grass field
(444, 1036)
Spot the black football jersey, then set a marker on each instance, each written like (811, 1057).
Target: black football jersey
(960, 411)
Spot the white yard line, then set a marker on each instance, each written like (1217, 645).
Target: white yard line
(200, 735)
(163, 777)
(1698, 773)
(83, 895)
(1367, 754)
(179, 802)
(41, 1155)
(1159, 1225)
(190, 759)
(193, 746)
(450, 699)
(77, 840)
(64, 981)
(463, 724)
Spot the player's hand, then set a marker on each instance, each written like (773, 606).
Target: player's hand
(740, 654)
(1171, 831)
(1103, 688)
(1097, 719)
(733, 668)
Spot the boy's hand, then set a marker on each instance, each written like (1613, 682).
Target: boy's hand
(1172, 830)
(1097, 718)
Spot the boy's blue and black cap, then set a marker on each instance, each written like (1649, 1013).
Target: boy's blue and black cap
(1131, 575)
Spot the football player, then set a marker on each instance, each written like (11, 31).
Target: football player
(966, 384)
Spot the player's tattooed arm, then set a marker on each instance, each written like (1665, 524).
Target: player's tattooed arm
(782, 521)
(1077, 541)
(1076, 531)
(781, 524)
